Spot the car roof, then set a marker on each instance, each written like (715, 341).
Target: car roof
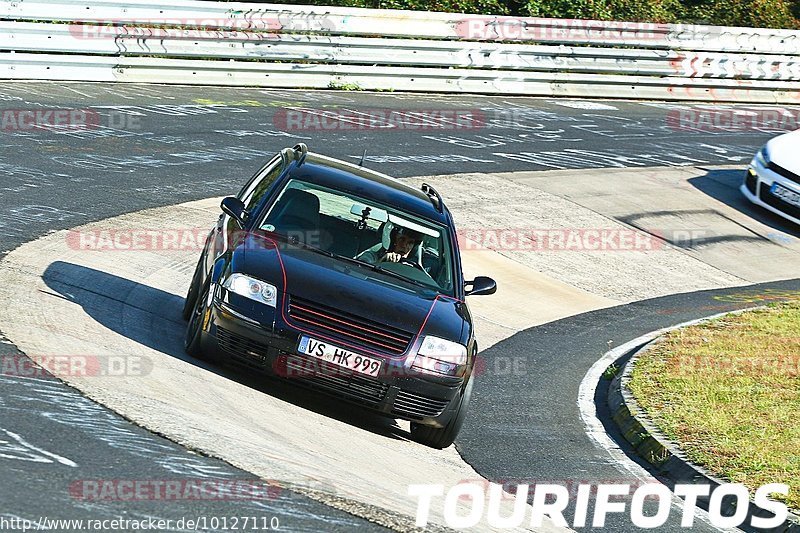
(368, 184)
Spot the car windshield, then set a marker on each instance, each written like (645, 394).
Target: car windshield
(401, 246)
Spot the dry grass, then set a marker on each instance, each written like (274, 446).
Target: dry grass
(728, 392)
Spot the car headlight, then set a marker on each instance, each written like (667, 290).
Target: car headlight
(439, 356)
(252, 288)
(763, 156)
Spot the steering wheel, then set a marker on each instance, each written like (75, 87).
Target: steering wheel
(409, 261)
(416, 265)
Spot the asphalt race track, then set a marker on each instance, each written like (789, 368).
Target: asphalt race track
(159, 146)
(163, 145)
(39, 482)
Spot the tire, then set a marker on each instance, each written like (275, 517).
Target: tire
(443, 437)
(194, 330)
(191, 296)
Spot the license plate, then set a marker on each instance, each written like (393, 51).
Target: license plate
(787, 195)
(339, 356)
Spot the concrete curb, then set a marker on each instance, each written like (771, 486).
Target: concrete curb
(667, 458)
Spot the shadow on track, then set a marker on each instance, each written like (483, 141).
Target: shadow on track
(723, 185)
(152, 317)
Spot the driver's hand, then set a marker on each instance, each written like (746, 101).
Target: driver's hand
(394, 257)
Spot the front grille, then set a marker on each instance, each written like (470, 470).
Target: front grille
(353, 387)
(247, 351)
(353, 329)
(788, 174)
(770, 199)
(416, 406)
(750, 181)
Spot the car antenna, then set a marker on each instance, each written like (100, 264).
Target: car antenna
(361, 163)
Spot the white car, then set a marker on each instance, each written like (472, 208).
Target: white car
(773, 177)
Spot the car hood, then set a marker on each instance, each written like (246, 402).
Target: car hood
(349, 287)
(784, 150)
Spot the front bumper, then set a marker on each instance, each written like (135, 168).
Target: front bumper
(398, 392)
(756, 187)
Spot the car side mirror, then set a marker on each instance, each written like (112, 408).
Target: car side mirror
(234, 208)
(481, 285)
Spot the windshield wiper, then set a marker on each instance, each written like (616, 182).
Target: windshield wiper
(378, 268)
(356, 261)
(301, 244)
(400, 276)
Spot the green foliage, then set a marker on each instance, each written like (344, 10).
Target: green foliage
(751, 13)
(572, 9)
(489, 7)
(611, 371)
(647, 10)
(343, 86)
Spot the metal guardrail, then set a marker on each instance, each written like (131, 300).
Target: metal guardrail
(413, 24)
(225, 44)
(185, 41)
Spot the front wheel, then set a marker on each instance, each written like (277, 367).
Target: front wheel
(194, 331)
(443, 437)
(191, 295)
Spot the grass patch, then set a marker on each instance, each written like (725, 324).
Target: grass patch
(611, 372)
(728, 392)
(343, 86)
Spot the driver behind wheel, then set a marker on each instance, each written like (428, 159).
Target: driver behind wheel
(402, 242)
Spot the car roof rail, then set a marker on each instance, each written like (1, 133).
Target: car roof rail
(436, 198)
(300, 151)
(297, 153)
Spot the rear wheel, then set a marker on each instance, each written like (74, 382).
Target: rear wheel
(444, 437)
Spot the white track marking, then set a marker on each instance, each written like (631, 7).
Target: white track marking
(594, 427)
(577, 104)
(28, 446)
